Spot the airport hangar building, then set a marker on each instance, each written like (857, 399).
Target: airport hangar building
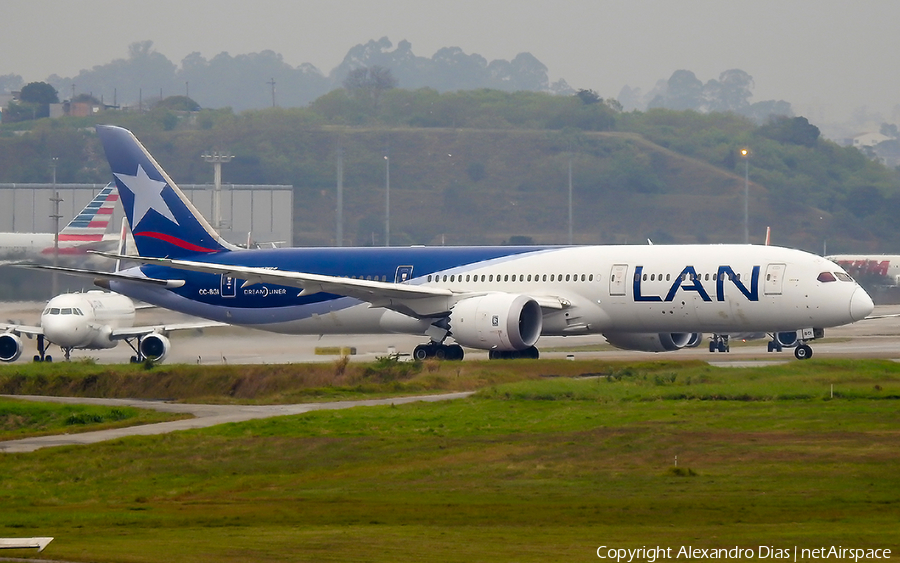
(264, 211)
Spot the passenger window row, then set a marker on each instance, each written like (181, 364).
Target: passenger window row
(512, 277)
(686, 277)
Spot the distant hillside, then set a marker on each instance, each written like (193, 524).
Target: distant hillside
(486, 166)
(480, 186)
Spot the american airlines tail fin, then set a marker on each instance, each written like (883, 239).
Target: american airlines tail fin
(163, 221)
(92, 223)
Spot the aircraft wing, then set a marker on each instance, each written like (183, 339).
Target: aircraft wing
(136, 331)
(24, 543)
(417, 300)
(21, 329)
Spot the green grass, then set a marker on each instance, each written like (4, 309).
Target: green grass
(20, 419)
(543, 469)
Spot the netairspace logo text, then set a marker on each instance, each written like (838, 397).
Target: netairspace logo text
(763, 552)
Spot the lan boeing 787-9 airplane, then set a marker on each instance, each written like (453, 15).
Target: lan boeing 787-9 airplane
(500, 299)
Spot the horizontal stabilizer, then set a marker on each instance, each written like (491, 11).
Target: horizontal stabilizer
(171, 284)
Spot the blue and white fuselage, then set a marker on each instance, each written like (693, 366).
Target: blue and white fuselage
(493, 298)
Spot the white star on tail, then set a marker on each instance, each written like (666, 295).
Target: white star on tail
(147, 195)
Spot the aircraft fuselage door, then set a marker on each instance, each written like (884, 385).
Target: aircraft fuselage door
(404, 273)
(228, 288)
(774, 279)
(617, 277)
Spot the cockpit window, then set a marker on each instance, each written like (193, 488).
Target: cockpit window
(78, 312)
(54, 311)
(826, 277)
(66, 311)
(47, 311)
(843, 277)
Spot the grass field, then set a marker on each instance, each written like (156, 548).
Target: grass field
(539, 465)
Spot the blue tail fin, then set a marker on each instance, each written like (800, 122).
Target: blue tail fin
(163, 221)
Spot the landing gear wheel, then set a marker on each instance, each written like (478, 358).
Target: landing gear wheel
(803, 352)
(422, 352)
(453, 352)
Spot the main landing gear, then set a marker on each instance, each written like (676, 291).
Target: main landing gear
(719, 343)
(803, 352)
(438, 351)
(42, 355)
(454, 352)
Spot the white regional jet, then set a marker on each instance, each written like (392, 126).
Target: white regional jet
(499, 299)
(94, 320)
(86, 231)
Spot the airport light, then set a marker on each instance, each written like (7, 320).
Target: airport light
(55, 216)
(217, 159)
(387, 201)
(570, 201)
(745, 154)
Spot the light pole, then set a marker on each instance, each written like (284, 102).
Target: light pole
(745, 154)
(387, 201)
(570, 201)
(217, 159)
(55, 216)
(339, 238)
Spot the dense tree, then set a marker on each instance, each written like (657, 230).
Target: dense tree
(683, 91)
(797, 131)
(588, 97)
(178, 103)
(39, 93)
(368, 84)
(731, 92)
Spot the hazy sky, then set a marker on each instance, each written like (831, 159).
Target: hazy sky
(826, 57)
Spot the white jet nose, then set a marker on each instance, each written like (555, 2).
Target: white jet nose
(63, 330)
(860, 304)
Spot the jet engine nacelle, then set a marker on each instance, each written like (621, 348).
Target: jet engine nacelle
(653, 342)
(497, 321)
(10, 347)
(154, 347)
(786, 339)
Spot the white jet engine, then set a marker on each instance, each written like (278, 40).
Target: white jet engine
(10, 347)
(154, 347)
(654, 342)
(787, 339)
(497, 321)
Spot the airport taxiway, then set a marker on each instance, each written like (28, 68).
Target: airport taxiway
(874, 338)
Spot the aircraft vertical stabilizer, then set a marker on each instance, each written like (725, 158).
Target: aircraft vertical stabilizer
(163, 221)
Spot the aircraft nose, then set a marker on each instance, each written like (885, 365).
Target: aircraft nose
(861, 304)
